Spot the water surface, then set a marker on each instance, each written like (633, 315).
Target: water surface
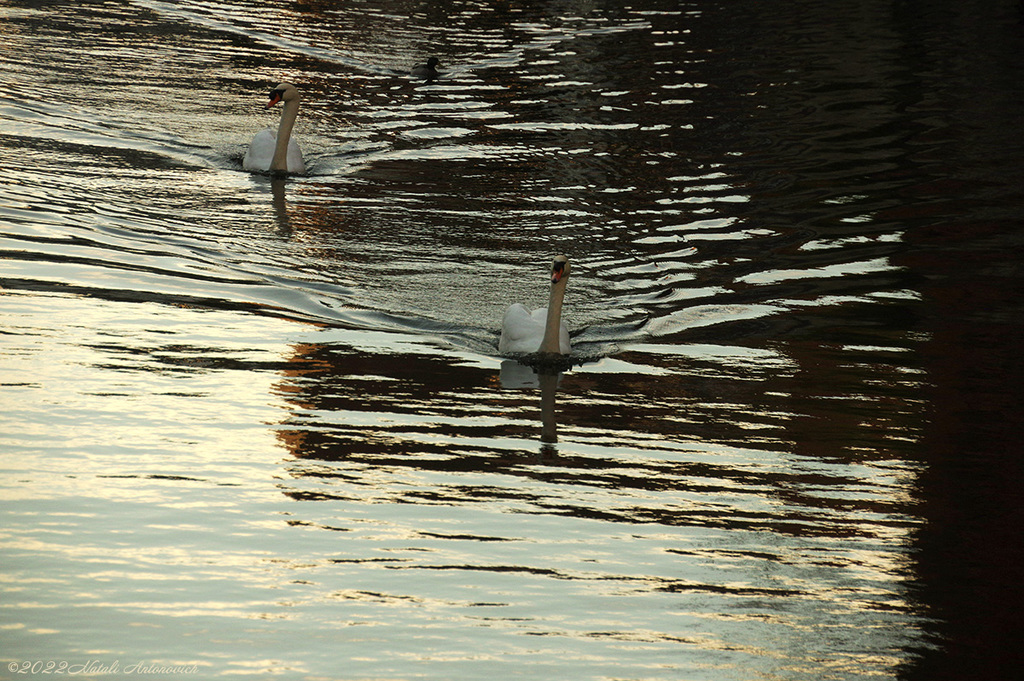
(259, 425)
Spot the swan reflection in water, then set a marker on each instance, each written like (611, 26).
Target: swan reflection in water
(517, 376)
(280, 203)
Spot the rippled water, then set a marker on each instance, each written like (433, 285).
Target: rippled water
(259, 425)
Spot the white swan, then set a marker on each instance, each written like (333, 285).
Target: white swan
(277, 151)
(542, 330)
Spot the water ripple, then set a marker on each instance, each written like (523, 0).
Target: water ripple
(291, 385)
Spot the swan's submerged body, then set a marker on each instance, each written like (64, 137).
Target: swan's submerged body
(276, 151)
(542, 330)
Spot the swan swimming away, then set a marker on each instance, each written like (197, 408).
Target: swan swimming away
(541, 330)
(277, 151)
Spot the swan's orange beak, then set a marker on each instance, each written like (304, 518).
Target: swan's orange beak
(275, 97)
(556, 273)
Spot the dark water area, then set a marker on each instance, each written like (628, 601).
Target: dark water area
(256, 424)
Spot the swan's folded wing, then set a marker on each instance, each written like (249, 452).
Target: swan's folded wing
(563, 339)
(261, 150)
(520, 330)
(295, 162)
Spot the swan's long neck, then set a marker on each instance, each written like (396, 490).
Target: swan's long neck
(284, 135)
(553, 323)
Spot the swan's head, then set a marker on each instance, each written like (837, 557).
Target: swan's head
(432, 62)
(285, 92)
(559, 269)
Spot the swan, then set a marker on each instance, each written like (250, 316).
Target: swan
(428, 70)
(277, 151)
(542, 330)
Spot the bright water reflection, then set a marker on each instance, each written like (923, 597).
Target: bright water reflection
(421, 517)
(259, 425)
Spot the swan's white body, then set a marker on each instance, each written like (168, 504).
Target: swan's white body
(523, 331)
(261, 153)
(276, 151)
(542, 330)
